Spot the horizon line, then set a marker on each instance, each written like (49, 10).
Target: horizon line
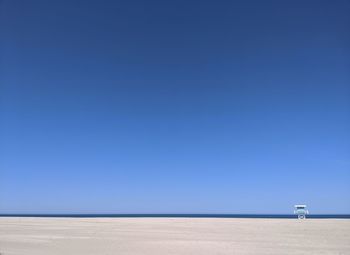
(171, 215)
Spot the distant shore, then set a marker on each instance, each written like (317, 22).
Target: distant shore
(172, 235)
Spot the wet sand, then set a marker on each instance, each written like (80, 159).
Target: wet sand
(163, 236)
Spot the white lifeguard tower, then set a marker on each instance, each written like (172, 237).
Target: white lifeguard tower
(301, 211)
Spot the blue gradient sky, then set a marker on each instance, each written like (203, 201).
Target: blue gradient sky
(174, 106)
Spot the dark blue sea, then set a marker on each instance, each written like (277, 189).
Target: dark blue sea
(259, 216)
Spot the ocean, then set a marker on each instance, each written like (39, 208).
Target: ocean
(259, 216)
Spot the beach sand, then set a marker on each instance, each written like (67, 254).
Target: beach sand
(161, 236)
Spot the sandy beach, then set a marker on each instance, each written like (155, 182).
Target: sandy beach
(153, 236)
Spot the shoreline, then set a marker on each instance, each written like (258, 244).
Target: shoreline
(222, 216)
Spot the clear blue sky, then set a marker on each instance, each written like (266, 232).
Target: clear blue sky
(174, 106)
